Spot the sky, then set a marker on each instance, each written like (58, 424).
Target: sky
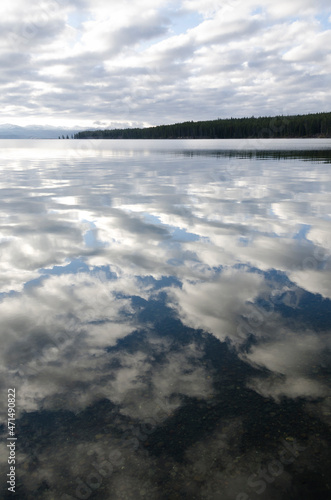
(110, 64)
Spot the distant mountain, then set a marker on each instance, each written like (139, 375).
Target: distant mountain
(10, 131)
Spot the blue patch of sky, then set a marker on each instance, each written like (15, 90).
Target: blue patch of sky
(4, 295)
(186, 21)
(244, 241)
(74, 267)
(180, 22)
(157, 284)
(182, 235)
(79, 266)
(258, 10)
(324, 20)
(302, 233)
(90, 237)
(91, 241)
(153, 219)
(75, 19)
(34, 283)
(177, 233)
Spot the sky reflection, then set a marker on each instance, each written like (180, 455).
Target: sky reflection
(166, 311)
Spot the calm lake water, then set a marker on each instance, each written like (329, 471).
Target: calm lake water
(165, 319)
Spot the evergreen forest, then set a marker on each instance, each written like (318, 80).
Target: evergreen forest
(310, 125)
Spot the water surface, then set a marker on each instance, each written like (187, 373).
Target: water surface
(165, 318)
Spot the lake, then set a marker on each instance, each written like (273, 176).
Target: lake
(165, 319)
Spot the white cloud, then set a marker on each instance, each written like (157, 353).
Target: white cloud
(311, 51)
(137, 61)
(291, 359)
(216, 306)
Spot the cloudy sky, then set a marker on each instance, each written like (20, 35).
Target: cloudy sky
(105, 63)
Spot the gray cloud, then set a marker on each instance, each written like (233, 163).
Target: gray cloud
(95, 63)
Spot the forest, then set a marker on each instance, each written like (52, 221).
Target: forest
(309, 125)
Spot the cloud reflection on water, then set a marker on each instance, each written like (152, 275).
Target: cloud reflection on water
(156, 281)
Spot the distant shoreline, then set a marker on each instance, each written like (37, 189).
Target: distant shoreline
(310, 126)
(194, 138)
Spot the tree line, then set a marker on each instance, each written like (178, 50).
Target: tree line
(310, 125)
